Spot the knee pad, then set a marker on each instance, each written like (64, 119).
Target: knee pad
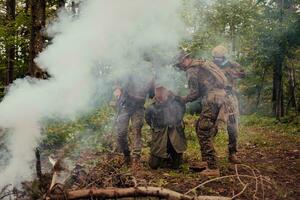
(204, 124)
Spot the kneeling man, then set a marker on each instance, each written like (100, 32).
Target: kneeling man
(165, 117)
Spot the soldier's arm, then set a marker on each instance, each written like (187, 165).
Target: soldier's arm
(149, 115)
(194, 88)
(151, 91)
(237, 70)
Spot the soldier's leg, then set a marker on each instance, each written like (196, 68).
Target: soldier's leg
(232, 129)
(137, 122)
(122, 123)
(206, 131)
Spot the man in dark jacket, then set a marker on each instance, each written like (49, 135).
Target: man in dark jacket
(165, 117)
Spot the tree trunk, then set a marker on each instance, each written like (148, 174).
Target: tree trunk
(10, 48)
(277, 98)
(261, 87)
(37, 40)
(292, 89)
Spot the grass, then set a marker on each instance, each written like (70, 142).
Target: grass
(91, 132)
(259, 138)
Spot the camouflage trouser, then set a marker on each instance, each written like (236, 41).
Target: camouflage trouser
(232, 130)
(136, 116)
(206, 130)
(232, 126)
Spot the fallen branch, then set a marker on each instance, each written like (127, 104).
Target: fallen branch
(5, 191)
(255, 175)
(223, 177)
(256, 179)
(238, 176)
(113, 193)
(241, 192)
(38, 165)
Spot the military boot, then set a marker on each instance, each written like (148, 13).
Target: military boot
(155, 162)
(211, 172)
(232, 158)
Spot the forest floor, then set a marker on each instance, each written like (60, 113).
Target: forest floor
(269, 149)
(269, 152)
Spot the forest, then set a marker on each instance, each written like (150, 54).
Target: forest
(60, 60)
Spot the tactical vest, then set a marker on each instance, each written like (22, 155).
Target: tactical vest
(212, 77)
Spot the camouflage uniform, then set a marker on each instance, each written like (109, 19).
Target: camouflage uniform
(207, 81)
(232, 72)
(131, 108)
(168, 137)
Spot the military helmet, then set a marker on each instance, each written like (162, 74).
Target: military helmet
(183, 55)
(219, 51)
(179, 58)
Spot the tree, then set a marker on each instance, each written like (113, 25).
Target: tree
(263, 36)
(10, 46)
(37, 40)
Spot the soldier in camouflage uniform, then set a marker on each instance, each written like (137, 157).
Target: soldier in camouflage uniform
(233, 71)
(207, 81)
(165, 117)
(131, 95)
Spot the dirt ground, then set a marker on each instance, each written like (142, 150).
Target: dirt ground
(270, 162)
(270, 169)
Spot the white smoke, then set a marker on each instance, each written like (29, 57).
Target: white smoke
(114, 33)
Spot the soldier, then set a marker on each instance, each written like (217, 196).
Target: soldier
(233, 71)
(207, 81)
(165, 117)
(131, 95)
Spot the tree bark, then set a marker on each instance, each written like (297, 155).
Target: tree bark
(10, 48)
(292, 88)
(261, 87)
(37, 40)
(277, 97)
(115, 193)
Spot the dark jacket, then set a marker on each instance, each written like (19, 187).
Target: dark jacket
(166, 122)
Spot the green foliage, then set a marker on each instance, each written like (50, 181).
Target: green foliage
(288, 125)
(256, 34)
(93, 131)
(17, 33)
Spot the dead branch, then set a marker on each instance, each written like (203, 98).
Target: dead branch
(238, 176)
(113, 193)
(38, 164)
(259, 180)
(223, 177)
(241, 192)
(5, 191)
(216, 179)
(256, 179)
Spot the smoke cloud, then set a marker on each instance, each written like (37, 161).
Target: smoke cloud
(108, 40)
